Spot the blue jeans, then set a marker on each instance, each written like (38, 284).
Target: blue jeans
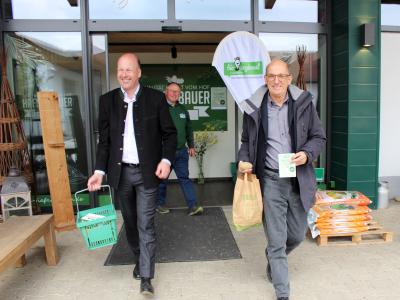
(181, 168)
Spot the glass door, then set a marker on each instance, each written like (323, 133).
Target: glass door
(100, 74)
(100, 85)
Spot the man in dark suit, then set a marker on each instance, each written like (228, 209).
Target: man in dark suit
(136, 146)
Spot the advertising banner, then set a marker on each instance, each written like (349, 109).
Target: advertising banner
(203, 92)
(240, 60)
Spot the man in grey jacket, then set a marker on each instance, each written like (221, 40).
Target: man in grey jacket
(281, 118)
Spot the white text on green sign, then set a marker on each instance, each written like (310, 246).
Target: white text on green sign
(246, 69)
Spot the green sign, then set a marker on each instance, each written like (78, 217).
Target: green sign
(320, 174)
(203, 92)
(239, 68)
(45, 200)
(83, 199)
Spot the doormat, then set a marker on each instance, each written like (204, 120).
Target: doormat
(183, 238)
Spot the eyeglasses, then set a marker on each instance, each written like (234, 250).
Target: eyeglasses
(281, 77)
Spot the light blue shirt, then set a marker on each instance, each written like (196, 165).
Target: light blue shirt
(279, 140)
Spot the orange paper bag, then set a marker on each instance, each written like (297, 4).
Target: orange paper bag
(247, 202)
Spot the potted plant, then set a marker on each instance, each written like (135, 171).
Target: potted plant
(202, 141)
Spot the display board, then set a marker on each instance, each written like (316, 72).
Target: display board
(203, 92)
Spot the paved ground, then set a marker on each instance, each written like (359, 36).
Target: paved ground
(323, 273)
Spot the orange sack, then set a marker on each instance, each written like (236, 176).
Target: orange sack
(339, 210)
(344, 218)
(341, 225)
(330, 197)
(343, 230)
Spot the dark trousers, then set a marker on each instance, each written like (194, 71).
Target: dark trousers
(138, 206)
(285, 225)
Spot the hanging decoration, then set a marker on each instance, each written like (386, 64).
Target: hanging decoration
(301, 58)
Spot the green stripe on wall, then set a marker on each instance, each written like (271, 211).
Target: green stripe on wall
(355, 97)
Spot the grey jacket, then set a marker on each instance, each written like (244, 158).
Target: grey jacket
(306, 133)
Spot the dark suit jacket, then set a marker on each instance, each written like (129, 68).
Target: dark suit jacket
(306, 135)
(155, 133)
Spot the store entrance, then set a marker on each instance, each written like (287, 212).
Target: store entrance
(185, 58)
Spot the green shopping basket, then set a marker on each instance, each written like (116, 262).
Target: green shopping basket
(99, 232)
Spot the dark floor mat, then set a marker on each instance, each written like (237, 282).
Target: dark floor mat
(184, 238)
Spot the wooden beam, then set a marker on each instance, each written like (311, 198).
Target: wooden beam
(56, 162)
(21, 262)
(50, 245)
(269, 4)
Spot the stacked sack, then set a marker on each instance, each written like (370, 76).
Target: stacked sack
(339, 212)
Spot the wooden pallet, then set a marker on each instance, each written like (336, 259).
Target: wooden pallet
(374, 235)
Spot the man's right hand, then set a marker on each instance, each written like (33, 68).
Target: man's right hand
(94, 182)
(245, 167)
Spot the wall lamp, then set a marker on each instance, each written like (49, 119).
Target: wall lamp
(368, 34)
(174, 52)
(73, 3)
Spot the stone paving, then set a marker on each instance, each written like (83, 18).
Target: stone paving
(317, 273)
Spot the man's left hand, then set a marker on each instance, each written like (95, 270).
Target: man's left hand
(163, 170)
(192, 152)
(299, 158)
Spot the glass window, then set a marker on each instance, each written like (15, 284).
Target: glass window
(213, 9)
(100, 82)
(290, 11)
(283, 46)
(128, 9)
(50, 61)
(43, 9)
(390, 14)
(287, 42)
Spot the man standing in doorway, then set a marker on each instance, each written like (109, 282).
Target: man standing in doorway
(282, 119)
(137, 142)
(184, 148)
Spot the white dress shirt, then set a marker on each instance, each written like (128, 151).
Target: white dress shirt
(129, 153)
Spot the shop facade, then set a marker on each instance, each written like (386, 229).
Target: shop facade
(71, 47)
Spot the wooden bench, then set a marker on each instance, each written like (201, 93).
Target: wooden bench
(18, 234)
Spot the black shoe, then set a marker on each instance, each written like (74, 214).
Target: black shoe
(136, 272)
(145, 287)
(283, 298)
(269, 275)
